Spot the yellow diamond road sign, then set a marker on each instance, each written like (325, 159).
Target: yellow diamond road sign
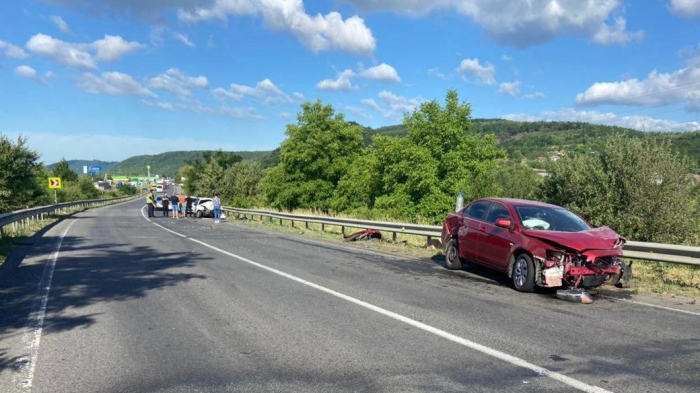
(54, 182)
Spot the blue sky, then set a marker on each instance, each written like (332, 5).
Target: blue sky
(108, 79)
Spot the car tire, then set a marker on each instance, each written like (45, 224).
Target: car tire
(523, 273)
(199, 214)
(452, 260)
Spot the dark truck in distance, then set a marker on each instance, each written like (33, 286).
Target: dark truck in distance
(536, 244)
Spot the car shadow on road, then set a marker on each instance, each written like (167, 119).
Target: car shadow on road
(95, 273)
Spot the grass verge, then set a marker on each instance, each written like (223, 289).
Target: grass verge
(648, 277)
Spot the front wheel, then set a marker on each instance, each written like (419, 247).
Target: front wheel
(524, 274)
(200, 214)
(452, 255)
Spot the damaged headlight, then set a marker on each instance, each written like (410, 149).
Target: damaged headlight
(557, 257)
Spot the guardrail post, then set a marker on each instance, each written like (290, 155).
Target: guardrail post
(393, 237)
(323, 227)
(428, 242)
(342, 229)
(292, 223)
(280, 222)
(306, 224)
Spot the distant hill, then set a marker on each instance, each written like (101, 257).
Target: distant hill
(167, 164)
(77, 165)
(531, 140)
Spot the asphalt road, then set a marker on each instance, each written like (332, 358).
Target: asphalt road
(133, 307)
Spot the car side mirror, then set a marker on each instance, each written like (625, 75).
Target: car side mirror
(504, 223)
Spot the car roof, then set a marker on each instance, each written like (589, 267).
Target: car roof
(519, 202)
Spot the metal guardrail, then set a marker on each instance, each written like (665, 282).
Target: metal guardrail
(656, 252)
(39, 213)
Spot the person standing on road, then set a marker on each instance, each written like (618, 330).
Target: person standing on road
(188, 206)
(149, 203)
(166, 204)
(173, 203)
(181, 204)
(217, 209)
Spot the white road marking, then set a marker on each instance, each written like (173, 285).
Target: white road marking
(158, 225)
(32, 334)
(582, 386)
(651, 305)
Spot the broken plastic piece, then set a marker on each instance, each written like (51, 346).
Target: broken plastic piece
(364, 235)
(575, 296)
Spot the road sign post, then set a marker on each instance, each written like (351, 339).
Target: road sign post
(55, 184)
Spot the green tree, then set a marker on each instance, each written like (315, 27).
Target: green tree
(211, 181)
(420, 175)
(639, 187)
(62, 169)
(242, 184)
(316, 154)
(22, 177)
(517, 181)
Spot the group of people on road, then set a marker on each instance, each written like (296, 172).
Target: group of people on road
(181, 205)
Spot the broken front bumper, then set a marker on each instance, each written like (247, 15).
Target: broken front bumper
(588, 269)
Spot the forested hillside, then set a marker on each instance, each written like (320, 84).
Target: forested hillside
(77, 165)
(531, 140)
(167, 164)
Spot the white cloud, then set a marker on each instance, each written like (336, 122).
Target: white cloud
(265, 90)
(437, 73)
(637, 122)
(484, 74)
(506, 58)
(342, 83)
(240, 113)
(392, 105)
(247, 113)
(178, 83)
(685, 8)
(13, 51)
(184, 39)
(318, 32)
(617, 34)
(223, 94)
(28, 72)
(285, 116)
(54, 146)
(657, 89)
(534, 96)
(298, 96)
(61, 24)
(383, 72)
(513, 23)
(156, 36)
(78, 55)
(112, 83)
(356, 112)
(510, 88)
(113, 48)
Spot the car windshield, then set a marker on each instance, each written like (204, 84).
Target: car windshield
(547, 218)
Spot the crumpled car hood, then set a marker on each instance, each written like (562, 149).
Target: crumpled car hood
(602, 238)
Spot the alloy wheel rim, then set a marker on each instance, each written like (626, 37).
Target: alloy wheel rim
(520, 272)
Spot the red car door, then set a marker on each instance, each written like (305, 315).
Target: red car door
(469, 229)
(495, 242)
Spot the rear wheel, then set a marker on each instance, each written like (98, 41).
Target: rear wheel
(452, 255)
(524, 273)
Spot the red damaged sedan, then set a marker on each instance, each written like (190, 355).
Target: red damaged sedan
(534, 243)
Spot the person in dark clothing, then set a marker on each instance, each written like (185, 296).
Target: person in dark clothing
(188, 206)
(173, 203)
(166, 205)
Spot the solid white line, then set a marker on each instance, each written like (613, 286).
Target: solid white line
(582, 386)
(651, 305)
(32, 335)
(158, 225)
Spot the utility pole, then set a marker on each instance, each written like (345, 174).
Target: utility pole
(149, 171)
